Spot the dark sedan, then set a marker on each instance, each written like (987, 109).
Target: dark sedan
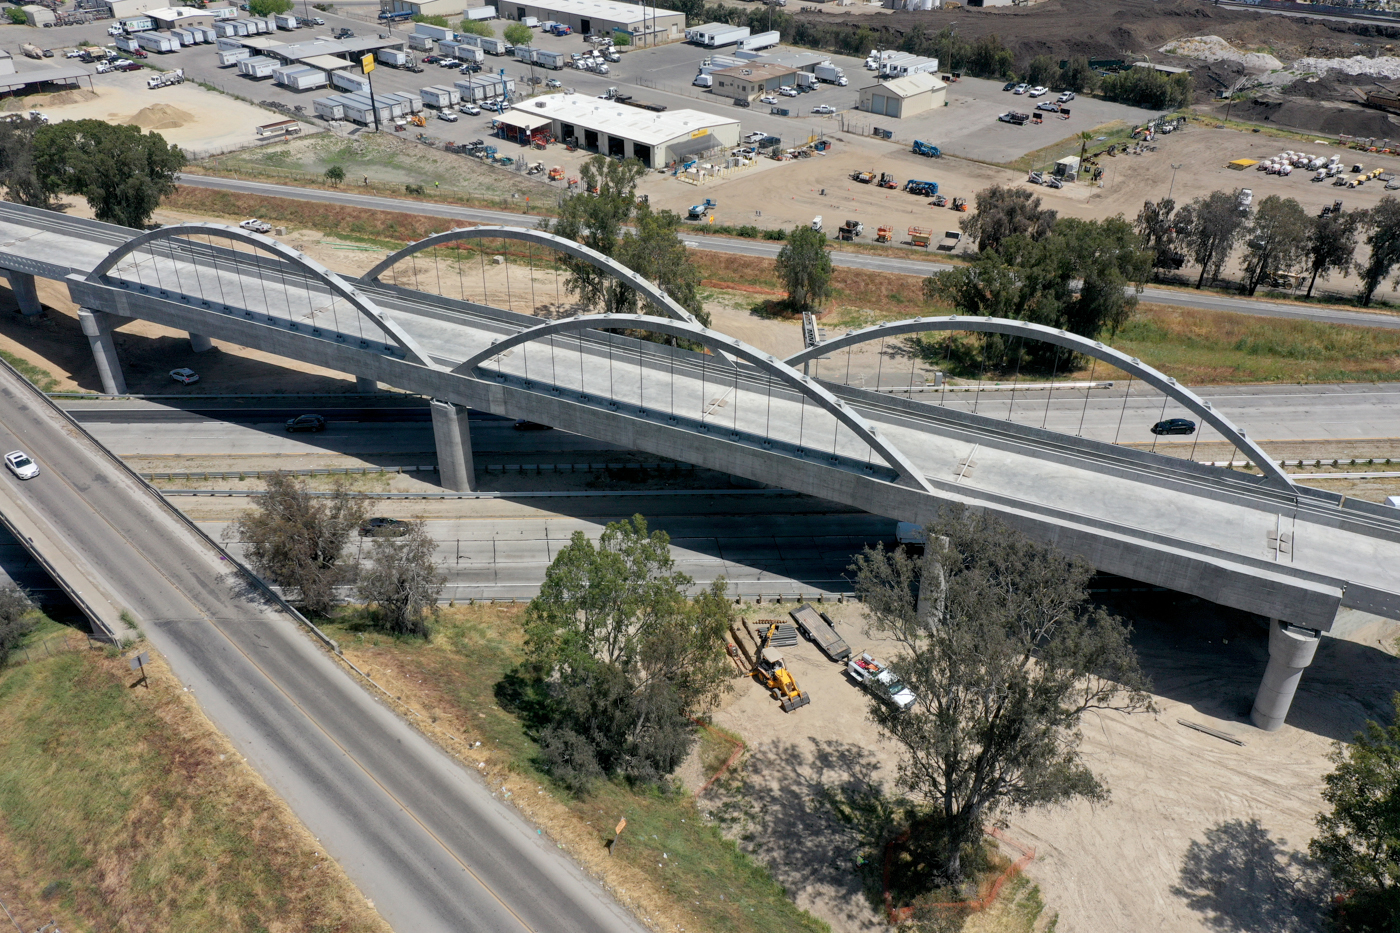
(380, 527)
(1010, 86)
(1175, 426)
(306, 423)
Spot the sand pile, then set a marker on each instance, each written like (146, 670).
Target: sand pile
(40, 101)
(157, 117)
(1215, 49)
(1385, 66)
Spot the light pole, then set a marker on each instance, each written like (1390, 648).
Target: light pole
(1172, 186)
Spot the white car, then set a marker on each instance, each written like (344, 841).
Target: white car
(184, 376)
(554, 83)
(1066, 97)
(447, 115)
(1039, 91)
(823, 108)
(471, 110)
(768, 99)
(788, 91)
(755, 136)
(1021, 89)
(256, 226)
(19, 463)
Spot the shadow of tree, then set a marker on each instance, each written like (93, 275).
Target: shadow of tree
(1242, 880)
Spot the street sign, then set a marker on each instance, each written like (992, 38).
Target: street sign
(140, 661)
(367, 64)
(621, 825)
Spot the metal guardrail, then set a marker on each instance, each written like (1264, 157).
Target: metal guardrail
(63, 583)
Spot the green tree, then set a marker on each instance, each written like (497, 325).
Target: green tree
(595, 217)
(402, 583)
(335, 174)
(298, 540)
(1213, 226)
(16, 16)
(1002, 211)
(1383, 224)
(17, 171)
(1157, 226)
(431, 20)
(621, 658)
(1145, 87)
(519, 34)
(1041, 71)
(122, 172)
(1005, 655)
(1360, 838)
(805, 268)
(1277, 239)
(654, 250)
(1077, 76)
(989, 58)
(269, 7)
(475, 27)
(1332, 244)
(15, 607)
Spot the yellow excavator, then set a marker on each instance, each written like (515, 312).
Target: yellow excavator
(773, 673)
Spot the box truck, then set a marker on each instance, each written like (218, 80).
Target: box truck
(829, 73)
(764, 40)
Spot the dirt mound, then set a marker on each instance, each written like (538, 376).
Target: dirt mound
(40, 101)
(1317, 117)
(158, 117)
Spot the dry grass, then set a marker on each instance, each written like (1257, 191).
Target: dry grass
(383, 227)
(123, 808)
(894, 295)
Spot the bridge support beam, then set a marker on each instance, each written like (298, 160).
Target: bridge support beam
(1291, 649)
(366, 386)
(98, 327)
(454, 447)
(199, 343)
(26, 295)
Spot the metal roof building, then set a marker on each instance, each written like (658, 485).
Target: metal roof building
(656, 139)
(904, 97)
(646, 24)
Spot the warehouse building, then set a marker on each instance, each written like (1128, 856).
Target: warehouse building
(179, 17)
(751, 81)
(647, 25)
(121, 9)
(656, 139)
(904, 97)
(449, 8)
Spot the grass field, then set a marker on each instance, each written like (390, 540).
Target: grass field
(121, 808)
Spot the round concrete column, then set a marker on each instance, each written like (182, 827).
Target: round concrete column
(199, 343)
(1290, 650)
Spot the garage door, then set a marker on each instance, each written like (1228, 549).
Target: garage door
(891, 106)
(877, 103)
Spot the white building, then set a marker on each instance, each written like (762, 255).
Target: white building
(613, 129)
(904, 97)
(647, 25)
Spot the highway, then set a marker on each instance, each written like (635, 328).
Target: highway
(762, 248)
(423, 840)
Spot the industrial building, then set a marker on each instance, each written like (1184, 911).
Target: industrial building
(656, 139)
(121, 9)
(647, 25)
(448, 8)
(904, 97)
(180, 17)
(752, 80)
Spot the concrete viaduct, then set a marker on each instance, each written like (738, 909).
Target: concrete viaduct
(1312, 561)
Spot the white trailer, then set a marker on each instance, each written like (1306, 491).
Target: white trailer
(435, 32)
(388, 108)
(136, 24)
(764, 40)
(412, 103)
(205, 34)
(284, 21)
(127, 43)
(329, 108)
(240, 27)
(716, 35)
(421, 43)
(259, 67)
(182, 36)
(350, 82)
(226, 45)
(358, 110)
(468, 53)
(493, 46)
(155, 42)
(441, 97)
(548, 59)
(469, 40)
(901, 66)
(829, 73)
(300, 77)
(233, 56)
(394, 58)
(480, 13)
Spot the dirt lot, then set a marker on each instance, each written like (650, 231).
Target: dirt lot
(1200, 835)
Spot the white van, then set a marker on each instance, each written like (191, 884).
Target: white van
(817, 223)
(703, 81)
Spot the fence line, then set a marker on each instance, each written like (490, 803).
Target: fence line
(54, 644)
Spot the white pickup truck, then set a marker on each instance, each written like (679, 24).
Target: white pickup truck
(876, 677)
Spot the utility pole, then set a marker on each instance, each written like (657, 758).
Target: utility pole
(367, 68)
(1172, 186)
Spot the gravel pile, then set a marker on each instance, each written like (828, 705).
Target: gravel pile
(1216, 49)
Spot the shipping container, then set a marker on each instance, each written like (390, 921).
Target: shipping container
(304, 80)
(155, 42)
(182, 36)
(715, 35)
(233, 56)
(330, 108)
(259, 67)
(764, 40)
(480, 13)
(493, 46)
(549, 59)
(285, 21)
(440, 96)
(395, 58)
(421, 43)
(435, 32)
(349, 81)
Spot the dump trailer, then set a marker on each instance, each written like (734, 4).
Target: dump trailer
(864, 178)
(819, 630)
(771, 671)
(875, 677)
(920, 236)
(927, 149)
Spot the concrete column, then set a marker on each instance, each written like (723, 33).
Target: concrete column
(454, 447)
(98, 327)
(26, 295)
(1290, 650)
(365, 386)
(199, 343)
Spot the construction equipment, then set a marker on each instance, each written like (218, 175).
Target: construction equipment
(920, 236)
(938, 201)
(850, 230)
(864, 178)
(535, 169)
(927, 149)
(417, 119)
(771, 671)
(698, 211)
(884, 235)
(166, 79)
(556, 173)
(924, 189)
(887, 181)
(1336, 208)
(819, 629)
(960, 204)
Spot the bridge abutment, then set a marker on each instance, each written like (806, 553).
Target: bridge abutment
(98, 327)
(199, 343)
(453, 438)
(26, 294)
(365, 385)
(1291, 650)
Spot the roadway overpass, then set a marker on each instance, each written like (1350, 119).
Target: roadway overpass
(1309, 559)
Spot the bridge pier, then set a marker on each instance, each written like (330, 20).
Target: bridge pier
(26, 295)
(199, 343)
(1291, 649)
(453, 438)
(98, 327)
(366, 386)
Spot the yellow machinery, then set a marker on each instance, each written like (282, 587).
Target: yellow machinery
(418, 119)
(773, 673)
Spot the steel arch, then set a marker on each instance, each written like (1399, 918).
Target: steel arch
(577, 250)
(1153, 377)
(367, 308)
(769, 364)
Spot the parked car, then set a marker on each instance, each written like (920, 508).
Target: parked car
(184, 376)
(316, 20)
(19, 464)
(1021, 88)
(380, 527)
(788, 91)
(768, 99)
(449, 63)
(471, 110)
(129, 66)
(1009, 86)
(431, 59)
(1175, 426)
(1048, 105)
(48, 53)
(306, 423)
(823, 108)
(1039, 91)
(1066, 97)
(256, 226)
(523, 425)
(447, 116)
(554, 83)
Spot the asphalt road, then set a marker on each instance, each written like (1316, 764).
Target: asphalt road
(763, 248)
(422, 839)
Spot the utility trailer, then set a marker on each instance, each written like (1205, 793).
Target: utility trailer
(875, 677)
(818, 628)
(260, 66)
(920, 236)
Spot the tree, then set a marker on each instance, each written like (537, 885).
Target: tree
(656, 252)
(297, 540)
(1332, 244)
(989, 58)
(402, 584)
(1146, 87)
(519, 34)
(805, 267)
(621, 657)
(269, 7)
(1005, 656)
(1077, 76)
(17, 172)
(122, 172)
(475, 27)
(1002, 211)
(595, 217)
(1159, 231)
(1277, 239)
(17, 16)
(1215, 223)
(335, 174)
(15, 607)
(1383, 222)
(1360, 839)
(1041, 71)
